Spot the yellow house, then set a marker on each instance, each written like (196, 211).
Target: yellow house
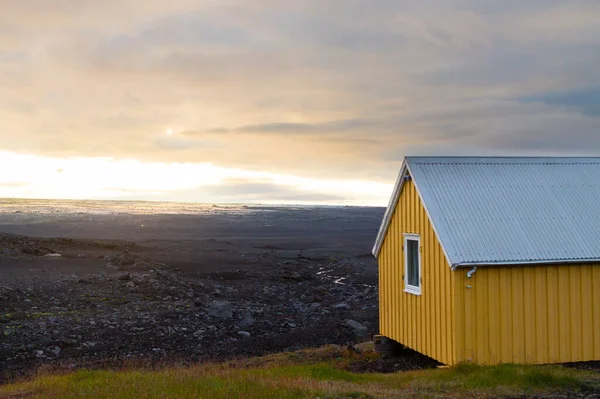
(493, 260)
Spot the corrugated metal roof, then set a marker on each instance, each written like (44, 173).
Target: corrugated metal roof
(511, 210)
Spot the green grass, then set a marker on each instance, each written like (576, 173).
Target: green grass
(535, 377)
(315, 373)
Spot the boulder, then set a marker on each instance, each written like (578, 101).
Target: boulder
(358, 328)
(53, 255)
(293, 275)
(247, 321)
(342, 305)
(220, 309)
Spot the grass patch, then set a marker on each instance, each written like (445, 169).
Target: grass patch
(508, 379)
(317, 372)
(166, 384)
(305, 374)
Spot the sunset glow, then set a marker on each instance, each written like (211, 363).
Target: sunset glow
(106, 178)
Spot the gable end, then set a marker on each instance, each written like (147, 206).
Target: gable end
(391, 208)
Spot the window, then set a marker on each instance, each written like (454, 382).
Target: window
(412, 264)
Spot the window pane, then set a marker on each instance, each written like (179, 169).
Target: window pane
(413, 262)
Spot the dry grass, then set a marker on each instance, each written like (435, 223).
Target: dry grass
(315, 373)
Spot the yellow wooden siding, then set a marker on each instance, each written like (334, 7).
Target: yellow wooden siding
(503, 314)
(528, 314)
(423, 322)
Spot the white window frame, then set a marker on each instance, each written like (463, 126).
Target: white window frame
(411, 289)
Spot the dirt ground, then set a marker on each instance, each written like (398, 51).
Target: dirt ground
(80, 288)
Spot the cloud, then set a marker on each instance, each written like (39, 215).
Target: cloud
(244, 190)
(233, 191)
(340, 89)
(500, 127)
(585, 100)
(102, 178)
(339, 126)
(13, 184)
(180, 142)
(21, 107)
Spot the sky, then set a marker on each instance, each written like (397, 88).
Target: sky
(278, 101)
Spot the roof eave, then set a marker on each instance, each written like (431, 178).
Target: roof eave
(525, 262)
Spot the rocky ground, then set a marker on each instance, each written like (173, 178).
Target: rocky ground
(71, 303)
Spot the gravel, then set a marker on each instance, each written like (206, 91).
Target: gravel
(131, 308)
